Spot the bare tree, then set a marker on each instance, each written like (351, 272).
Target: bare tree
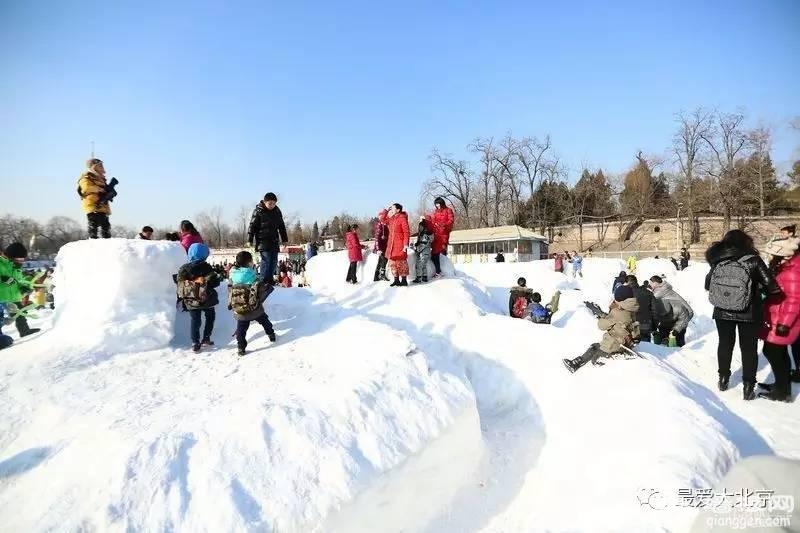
(687, 147)
(760, 142)
(532, 155)
(242, 224)
(452, 180)
(213, 227)
(491, 182)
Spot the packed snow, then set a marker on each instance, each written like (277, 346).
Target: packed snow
(395, 409)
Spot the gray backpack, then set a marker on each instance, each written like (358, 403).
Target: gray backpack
(731, 285)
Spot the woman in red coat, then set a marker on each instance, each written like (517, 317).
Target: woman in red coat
(354, 254)
(441, 220)
(397, 246)
(781, 312)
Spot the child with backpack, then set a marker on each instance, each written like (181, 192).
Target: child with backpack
(197, 282)
(246, 296)
(423, 250)
(620, 328)
(519, 299)
(538, 313)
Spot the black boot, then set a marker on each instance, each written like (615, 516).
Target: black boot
(395, 283)
(424, 279)
(417, 280)
(766, 386)
(776, 395)
(403, 282)
(722, 384)
(574, 364)
(196, 347)
(748, 390)
(22, 327)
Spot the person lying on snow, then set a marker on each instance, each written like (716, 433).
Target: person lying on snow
(620, 329)
(197, 282)
(246, 296)
(673, 313)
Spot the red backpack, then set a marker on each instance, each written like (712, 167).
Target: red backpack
(520, 307)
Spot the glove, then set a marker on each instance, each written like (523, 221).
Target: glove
(782, 330)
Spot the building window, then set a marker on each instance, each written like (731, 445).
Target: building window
(525, 247)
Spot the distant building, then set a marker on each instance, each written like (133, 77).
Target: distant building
(332, 243)
(481, 245)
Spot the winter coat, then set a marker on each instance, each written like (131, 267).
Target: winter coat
(441, 221)
(267, 229)
(631, 264)
(647, 311)
(286, 281)
(353, 244)
(188, 239)
(616, 325)
(248, 276)
(671, 309)
(685, 256)
(537, 313)
(424, 245)
(399, 235)
(92, 187)
(618, 282)
(517, 292)
(13, 283)
(762, 281)
(558, 263)
(311, 250)
(784, 309)
(500, 258)
(197, 269)
(380, 232)
(577, 263)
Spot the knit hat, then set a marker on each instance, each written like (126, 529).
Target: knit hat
(198, 252)
(16, 250)
(783, 247)
(622, 293)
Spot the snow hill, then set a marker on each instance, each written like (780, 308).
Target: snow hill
(379, 409)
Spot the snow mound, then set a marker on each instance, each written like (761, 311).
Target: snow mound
(116, 295)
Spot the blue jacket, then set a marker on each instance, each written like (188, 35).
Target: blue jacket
(243, 276)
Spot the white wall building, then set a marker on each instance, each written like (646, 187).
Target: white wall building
(482, 245)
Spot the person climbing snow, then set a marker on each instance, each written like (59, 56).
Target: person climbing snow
(441, 223)
(380, 232)
(520, 297)
(620, 330)
(354, 253)
(197, 282)
(397, 246)
(95, 195)
(423, 251)
(14, 285)
(189, 235)
(266, 232)
(781, 327)
(246, 296)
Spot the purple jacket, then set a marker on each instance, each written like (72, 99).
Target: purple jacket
(381, 234)
(187, 239)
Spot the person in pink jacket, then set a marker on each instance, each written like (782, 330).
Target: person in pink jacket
(189, 235)
(354, 253)
(781, 313)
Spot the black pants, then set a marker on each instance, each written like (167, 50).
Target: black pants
(748, 344)
(196, 314)
(351, 272)
(645, 335)
(380, 269)
(243, 325)
(796, 355)
(666, 329)
(437, 263)
(98, 221)
(778, 357)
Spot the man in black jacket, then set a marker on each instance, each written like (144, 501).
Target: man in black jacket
(646, 313)
(267, 232)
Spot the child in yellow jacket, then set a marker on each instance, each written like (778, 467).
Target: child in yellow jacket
(92, 188)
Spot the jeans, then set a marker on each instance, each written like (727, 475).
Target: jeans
(98, 221)
(243, 325)
(437, 263)
(196, 315)
(269, 265)
(748, 344)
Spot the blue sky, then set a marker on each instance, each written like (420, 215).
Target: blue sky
(336, 105)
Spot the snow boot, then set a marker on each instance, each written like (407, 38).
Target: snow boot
(403, 282)
(748, 390)
(574, 364)
(241, 352)
(795, 376)
(272, 337)
(207, 342)
(196, 347)
(776, 395)
(424, 279)
(722, 384)
(23, 328)
(766, 386)
(395, 283)
(417, 280)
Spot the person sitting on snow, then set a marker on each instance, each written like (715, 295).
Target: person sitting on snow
(620, 329)
(673, 313)
(538, 313)
(520, 298)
